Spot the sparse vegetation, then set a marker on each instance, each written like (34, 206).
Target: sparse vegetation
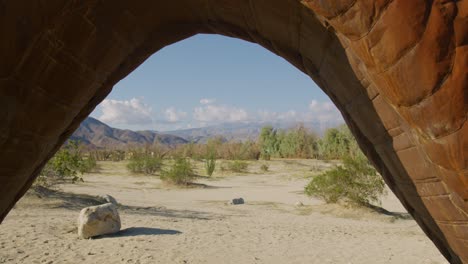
(354, 182)
(238, 166)
(210, 162)
(108, 155)
(144, 163)
(89, 164)
(180, 173)
(67, 163)
(247, 150)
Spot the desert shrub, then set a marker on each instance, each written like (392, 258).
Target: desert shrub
(223, 166)
(89, 164)
(144, 163)
(264, 167)
(355, 182)
(108, 155)
(210, 163)
(247, 150)
(180, 173)
(238, 166)
(67, 163)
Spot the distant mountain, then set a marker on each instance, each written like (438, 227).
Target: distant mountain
(228, 132)
(242, 131)
(96, 134)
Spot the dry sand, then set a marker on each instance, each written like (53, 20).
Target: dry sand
(163, 224)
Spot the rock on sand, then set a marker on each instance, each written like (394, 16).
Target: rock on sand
(98, 220)
(236, 201)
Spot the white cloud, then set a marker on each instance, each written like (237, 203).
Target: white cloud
(136, 114)
(266, 116)
(126, 112)
(316, 106)
(219, 113)
(205, 101)
(324, 111)
(173, 115)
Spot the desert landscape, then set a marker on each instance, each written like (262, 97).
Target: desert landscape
(163, 223)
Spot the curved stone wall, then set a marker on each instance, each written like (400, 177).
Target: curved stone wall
(396, 69)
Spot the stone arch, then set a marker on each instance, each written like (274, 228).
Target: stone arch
(396, 69)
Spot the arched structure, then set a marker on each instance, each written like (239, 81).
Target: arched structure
(396, 69)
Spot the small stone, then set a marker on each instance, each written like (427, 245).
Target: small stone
(236, 201)
(299, 204)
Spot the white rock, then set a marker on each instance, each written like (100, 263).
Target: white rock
(107, 199)
(236, 201)
(98, 220)
(299, 204)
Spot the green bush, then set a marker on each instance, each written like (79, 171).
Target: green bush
(89, 164)
(180, 173)
(264, 167)
(356, 182)
(238, 166)
(210, 163)
(268, 142)
(67, 163)
(144, 163)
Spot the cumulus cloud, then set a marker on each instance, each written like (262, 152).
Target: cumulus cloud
(135, 113)
(324, 111)
(205, 101)
(267, 116)
(173, 115)
(317, 106)
(317, 112)
(219, 113)
(126, 112)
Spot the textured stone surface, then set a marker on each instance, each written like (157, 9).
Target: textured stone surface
(396, 69)
(98, 220)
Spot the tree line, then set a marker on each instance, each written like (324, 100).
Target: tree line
(303, 143)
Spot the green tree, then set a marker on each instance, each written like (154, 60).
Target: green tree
(337, 143)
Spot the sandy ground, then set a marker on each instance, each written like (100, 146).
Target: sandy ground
(163, 224)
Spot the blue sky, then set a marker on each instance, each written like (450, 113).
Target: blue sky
(211, 79)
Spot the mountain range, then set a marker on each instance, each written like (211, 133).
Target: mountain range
(96, 134)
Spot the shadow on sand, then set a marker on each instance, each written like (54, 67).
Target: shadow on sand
(141, 231)
(396, 215)
(72, 201)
